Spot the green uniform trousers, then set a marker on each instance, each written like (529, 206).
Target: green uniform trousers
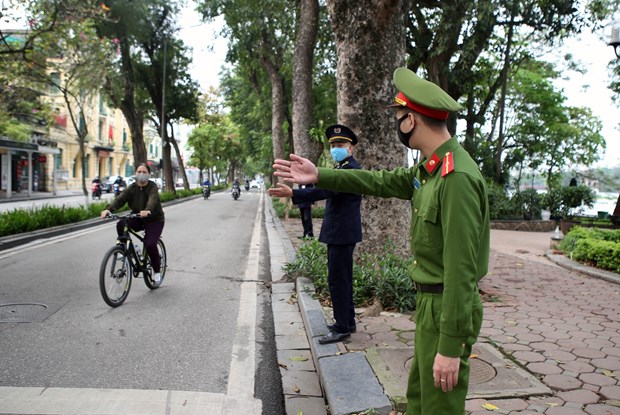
(422, 396)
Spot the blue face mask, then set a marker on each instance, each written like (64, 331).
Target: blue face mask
(339, 154)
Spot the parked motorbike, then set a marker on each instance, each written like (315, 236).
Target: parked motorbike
(96, 190)
(206, 191)
(236, 192)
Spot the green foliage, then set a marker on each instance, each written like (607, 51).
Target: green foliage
(561, 201)
(528, 203)
(598, 247)
(384, 276)
(499, 202)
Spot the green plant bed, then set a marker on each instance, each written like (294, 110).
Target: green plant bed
(374, 276)
(593, 246)
(293, 212)
(18, 221)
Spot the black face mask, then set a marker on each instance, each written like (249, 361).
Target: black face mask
(403, 137)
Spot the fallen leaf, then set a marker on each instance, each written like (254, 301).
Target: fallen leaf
(282, 365)
(473, 356)
(298, 359)
(489, 407)
(613, 402)
(300, 413)
(296, 389)
(609, 373)
(559, 361)
(514, 323)
(552, 404)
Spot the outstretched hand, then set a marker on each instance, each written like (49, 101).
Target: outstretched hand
(281, 190)
(298, 170)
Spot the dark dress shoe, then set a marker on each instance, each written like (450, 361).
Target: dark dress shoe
(334, 337)
(332, 327)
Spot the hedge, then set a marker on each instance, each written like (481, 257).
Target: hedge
(593, 246)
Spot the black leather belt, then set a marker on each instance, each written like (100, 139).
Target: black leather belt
(428, 288)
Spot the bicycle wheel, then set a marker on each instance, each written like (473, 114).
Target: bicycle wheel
(115, 277)
(148, 279)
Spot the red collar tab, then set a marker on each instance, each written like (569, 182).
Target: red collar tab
(448, 164)
(431, 164)
(402, 100)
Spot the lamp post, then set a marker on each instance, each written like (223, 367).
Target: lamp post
(614, 37)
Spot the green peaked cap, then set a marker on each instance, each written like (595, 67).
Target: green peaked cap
(422, 92)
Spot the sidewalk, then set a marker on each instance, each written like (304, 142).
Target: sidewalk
(550, 342)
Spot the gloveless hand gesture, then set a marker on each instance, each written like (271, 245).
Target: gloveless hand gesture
(298, 170)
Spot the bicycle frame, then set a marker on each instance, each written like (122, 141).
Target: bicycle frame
(139, 264)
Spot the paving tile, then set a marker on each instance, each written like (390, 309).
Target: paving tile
(306, 405)
(609, 363)
(578, 367)
(300, 382)
(515, 347)
(597, 379)
(529, 337)
(610, 392)
(588, 353)
(601, 409)
(561, 382)
(510, 404)
(529, 357)
(544, 369)
(582, 396)
(294, 359)
(564, 411)
(542, 346)
(559, 355)
(612, 351)
(598, 343)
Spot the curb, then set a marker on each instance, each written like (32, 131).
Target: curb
(349, 383)
(12, 241)
(567, 263)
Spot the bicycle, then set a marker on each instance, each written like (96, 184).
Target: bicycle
(122, 262)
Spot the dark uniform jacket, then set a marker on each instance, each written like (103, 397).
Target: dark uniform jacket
(140, 198)
(342, 222)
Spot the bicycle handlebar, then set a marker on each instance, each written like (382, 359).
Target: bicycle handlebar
(115, 216)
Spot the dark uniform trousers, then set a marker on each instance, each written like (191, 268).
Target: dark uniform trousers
(422, 396)
(340, 279)
(306, 220)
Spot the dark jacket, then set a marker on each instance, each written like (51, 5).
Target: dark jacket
(308, 203)
(342, 222)
(140, 198)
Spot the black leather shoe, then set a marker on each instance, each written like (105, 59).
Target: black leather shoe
(332, 327)
(334, 337)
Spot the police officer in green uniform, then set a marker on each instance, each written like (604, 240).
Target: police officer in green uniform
(449, 238)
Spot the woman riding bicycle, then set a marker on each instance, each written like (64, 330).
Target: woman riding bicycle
(142, 197)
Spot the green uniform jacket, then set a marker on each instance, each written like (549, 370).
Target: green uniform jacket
(449, 232)
(140, 198)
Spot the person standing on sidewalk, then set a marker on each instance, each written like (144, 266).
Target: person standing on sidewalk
(341, 231)
(449, 233)
(305, 211)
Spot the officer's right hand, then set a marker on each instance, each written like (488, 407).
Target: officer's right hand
(104, 213)
(281, 190)
(298, 170)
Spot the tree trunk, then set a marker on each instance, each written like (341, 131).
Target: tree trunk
(180, 159)
(370, 45)
(278, 109)
(302, 81)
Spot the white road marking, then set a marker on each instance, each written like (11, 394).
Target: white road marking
(243, 364)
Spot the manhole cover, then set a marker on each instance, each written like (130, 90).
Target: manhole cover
(22, 313)
(479, 371)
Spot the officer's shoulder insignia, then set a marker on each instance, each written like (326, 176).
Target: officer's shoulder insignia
(448, 164)
(431, 164)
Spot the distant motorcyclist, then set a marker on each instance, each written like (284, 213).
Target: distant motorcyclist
(247, 185)
(206, 183)
(96, 180)
(237, 184)
(206, 188)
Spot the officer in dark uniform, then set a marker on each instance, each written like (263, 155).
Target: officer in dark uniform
(305, 211)
(341, 231)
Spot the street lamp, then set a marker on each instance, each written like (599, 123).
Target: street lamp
(614, 37)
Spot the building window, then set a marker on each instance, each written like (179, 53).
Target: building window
(54, 87)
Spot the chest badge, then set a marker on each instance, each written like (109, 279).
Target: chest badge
(416, 183)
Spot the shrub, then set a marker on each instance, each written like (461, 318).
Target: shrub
(499, 203)
(527, 203)
(561, 200)
(598, 247)
(374, 276)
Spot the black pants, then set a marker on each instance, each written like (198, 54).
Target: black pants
(306, 220)
(340, 279)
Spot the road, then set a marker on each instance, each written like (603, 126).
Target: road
(207, 329)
